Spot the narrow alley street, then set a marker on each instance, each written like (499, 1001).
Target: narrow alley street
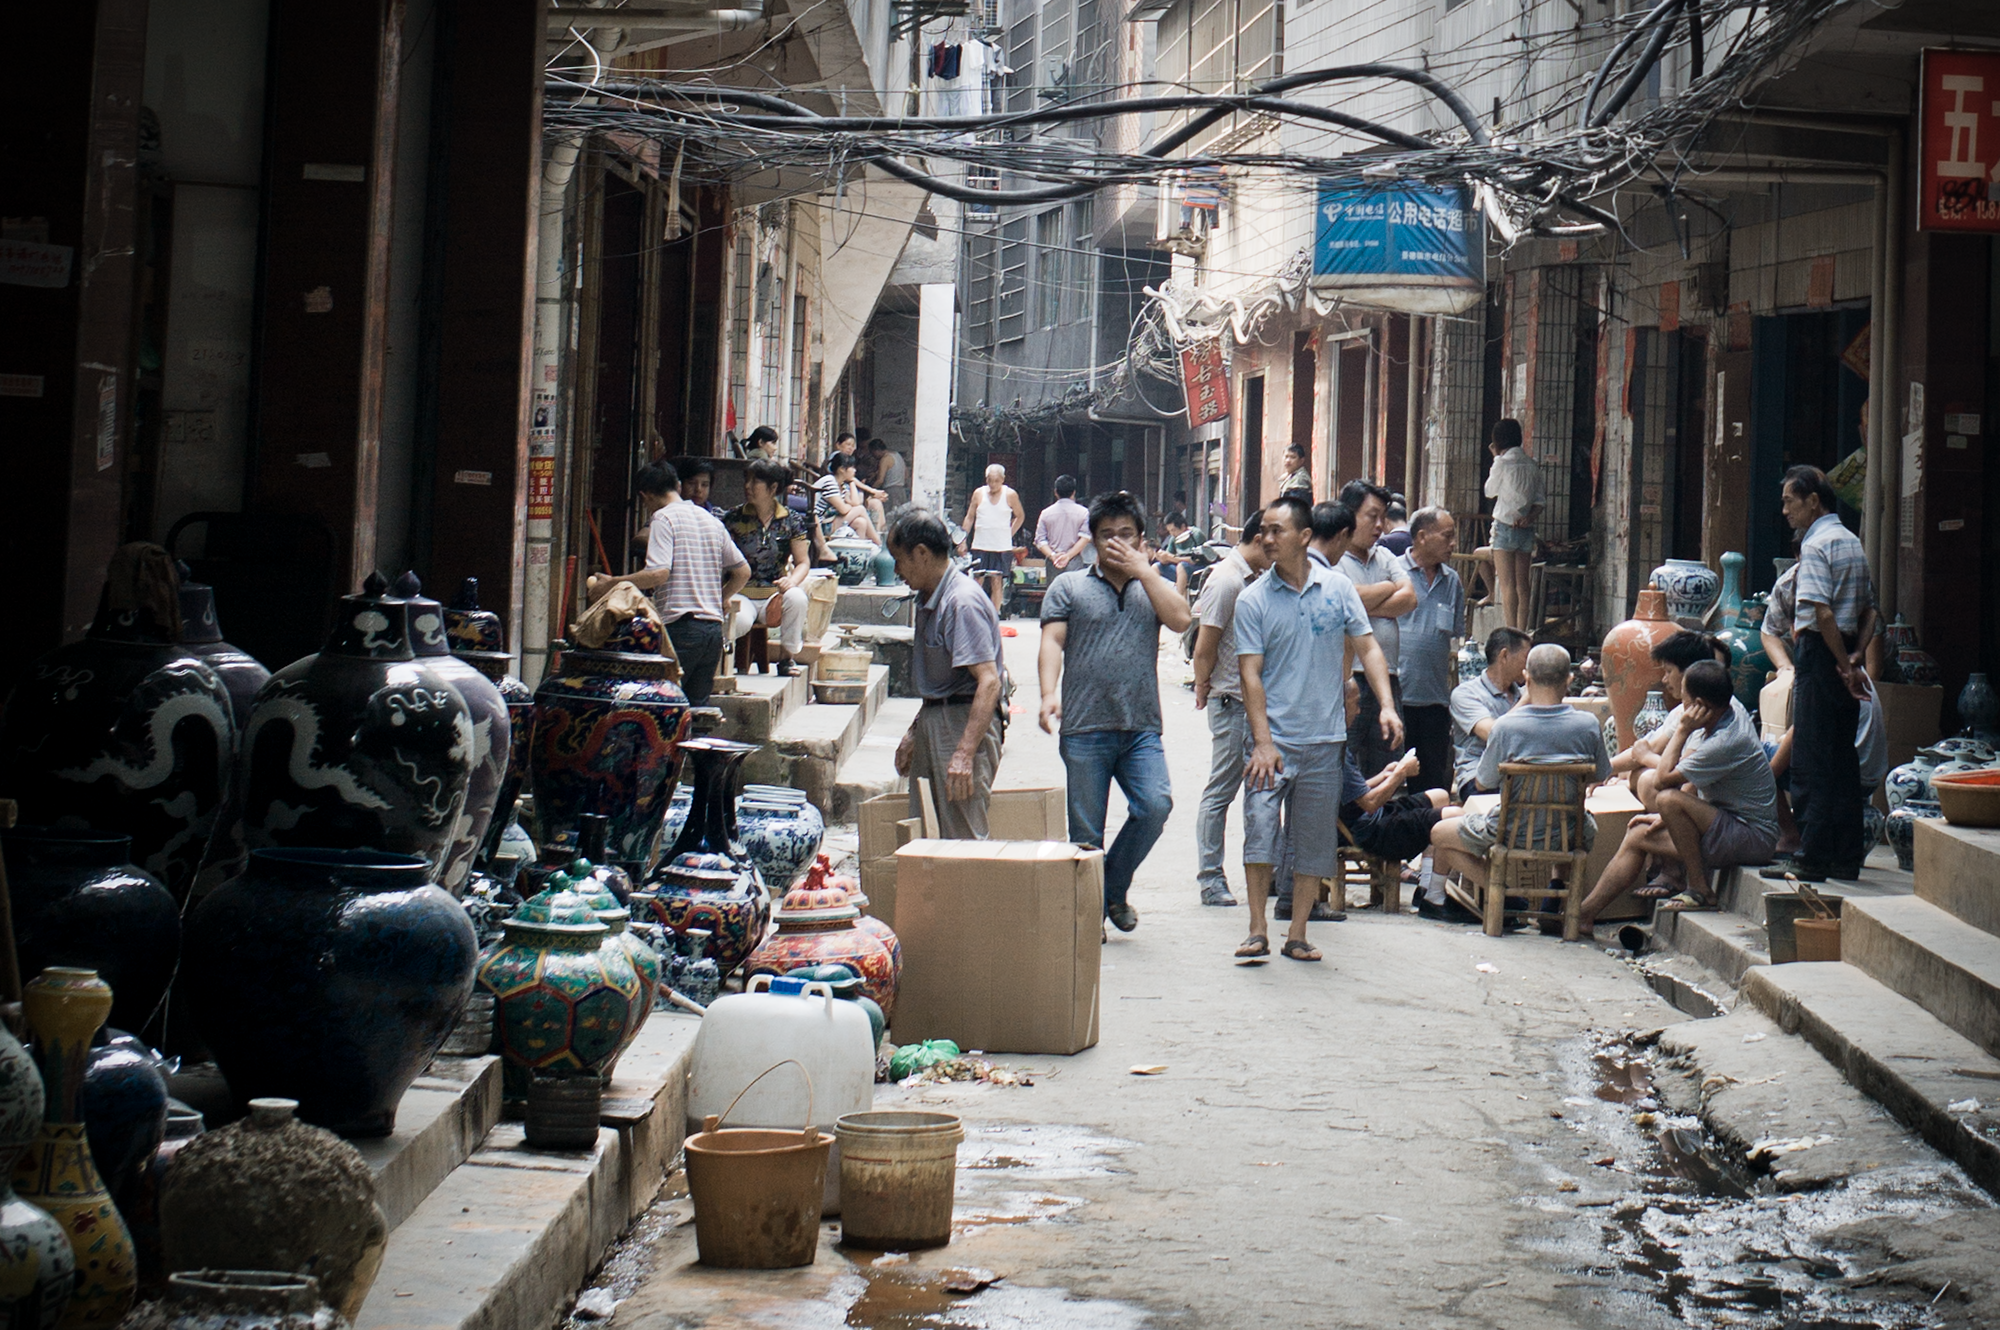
(1425, 1130)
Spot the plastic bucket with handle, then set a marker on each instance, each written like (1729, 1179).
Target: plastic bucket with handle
(757, 1193)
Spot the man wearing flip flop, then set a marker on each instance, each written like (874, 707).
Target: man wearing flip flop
(1717, 801)
(1293, 631)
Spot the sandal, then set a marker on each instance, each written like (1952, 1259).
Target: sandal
(1655, 891)
(1298, 949)
(1686, 902)
(1254, 945)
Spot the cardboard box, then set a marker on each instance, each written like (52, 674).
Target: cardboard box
(1000, 944)
(878, 876)
(1029, 813)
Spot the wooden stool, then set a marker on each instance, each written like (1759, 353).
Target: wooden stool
(754, 648)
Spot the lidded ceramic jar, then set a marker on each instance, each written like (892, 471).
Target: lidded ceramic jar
(707, 880)
(817, 926)
(1690, 586)
(780, 834)
(563, 1002)
(617, 917)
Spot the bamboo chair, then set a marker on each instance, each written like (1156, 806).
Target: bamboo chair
(1538, 837)
(1382, 877)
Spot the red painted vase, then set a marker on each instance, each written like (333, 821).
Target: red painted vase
(817, 926)
(868, 923)
(1627, 654)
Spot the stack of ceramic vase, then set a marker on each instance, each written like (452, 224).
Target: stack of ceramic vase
(1909, 793)
(707, 879)
(818, 925)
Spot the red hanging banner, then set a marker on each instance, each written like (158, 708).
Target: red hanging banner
(1206, 382)
(1958, 163)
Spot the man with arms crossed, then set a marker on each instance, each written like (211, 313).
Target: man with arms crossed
(954, 743)
(1101, 644)
(1218, 690)
(1384, 587)
(1293, 629)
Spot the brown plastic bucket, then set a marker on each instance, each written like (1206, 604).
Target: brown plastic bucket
(1818, 939)
(897, 1175)
(757, 1192)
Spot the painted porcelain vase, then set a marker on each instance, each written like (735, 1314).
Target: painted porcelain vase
(707, 880)
(124, 1107)
(616, 916)
(362, 746)
(1901, 830)
(1652, 715)
(37, 1267)
(853, 559)
(1471, 660)
(1691, 588)
(1872, 820)
(78, 902)
(270, 1193)
(608, 728)
(1911, 782)
(1629, 670)
(1898, 634)
(125, 731)
(816, 926)
(563, 1001)
(868, 923)
(478, 638)
(780, 835)
(1978, 707)
(677, 814)
(492, 729)
(1753, 671)
(64, 1007)
(1746, 676)
(330, 977)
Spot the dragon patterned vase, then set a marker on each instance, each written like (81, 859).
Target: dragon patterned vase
(478, 638)
(608, 729)
(64, 1008)
(562, 1000)
(1627, 653)
(707, 880)
(492, 729)
(1691, 588)
(780, 835)
(125, 731)
(362, 746)
(817, 926)
(244, 676)
(37, 1266)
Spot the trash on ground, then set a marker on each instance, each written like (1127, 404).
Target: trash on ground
(1764, 1149)
(595, 1304)
(1962, 1106)
(892, 1258)
(1487, 967)
(1160, 1069)
(967, 1279)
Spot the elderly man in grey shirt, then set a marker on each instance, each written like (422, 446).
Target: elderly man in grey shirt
(1482, 700)
(1218, 690)
(1101, 644)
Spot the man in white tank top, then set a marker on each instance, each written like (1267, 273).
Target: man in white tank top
(993, 516)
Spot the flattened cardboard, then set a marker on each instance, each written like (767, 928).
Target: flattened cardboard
(1029, 813)
(1001, 944)
(878, 876)
(876, 820)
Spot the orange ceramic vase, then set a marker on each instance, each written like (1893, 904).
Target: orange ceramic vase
(1627, 656)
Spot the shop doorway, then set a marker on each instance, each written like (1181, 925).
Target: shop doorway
(1807, 397)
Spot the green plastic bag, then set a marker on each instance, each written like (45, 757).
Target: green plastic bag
(913, 1058)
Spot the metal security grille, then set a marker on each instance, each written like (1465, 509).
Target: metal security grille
(1013, 307)
(743, 261)
(1458, 388)
(1554, 293)
(1652, 416)
(799, 369)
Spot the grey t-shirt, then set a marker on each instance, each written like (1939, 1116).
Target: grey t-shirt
(955, 627)
(1218, 610)
(1379, 566)
(1544, 734)
(1473, 701)
(1111, 653)
(1729, 770)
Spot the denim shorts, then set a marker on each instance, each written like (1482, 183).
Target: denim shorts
(1513, 539)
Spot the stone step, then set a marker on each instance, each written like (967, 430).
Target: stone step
(807, 750)
(872, 768)
(1925, 1073)
(1958, 870)
(1742, 890)
(872, 606)
(759, 705)
(1723, 941)
(1935, 959)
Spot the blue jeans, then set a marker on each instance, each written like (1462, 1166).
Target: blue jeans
(1136, 761)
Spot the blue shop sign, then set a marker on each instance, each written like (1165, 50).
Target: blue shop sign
(1402, 231)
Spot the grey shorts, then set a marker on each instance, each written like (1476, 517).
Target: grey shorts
(1476, 830)
(1730, 841)
(998, 562)
(1304, 804)
(1513, 539)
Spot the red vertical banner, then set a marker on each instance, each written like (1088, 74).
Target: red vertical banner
(541, 488)
(1206, 382)
(1958, 161)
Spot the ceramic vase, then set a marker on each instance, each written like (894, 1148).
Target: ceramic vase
(1901, 830)
(64, 1008)
(79, 902)
(1627, 653)
(677, 814)
(1652, 715)
(492, 729)
(1471, 660)
(853, 559)
(330, 977)
(1911, 782)
(617, 917)
(781, 836)
(1691, 588)
(477, 637)
(691, 971)
(244, 677)
(868, 923)
(608, 725)
(125, 731)
(817, 926)
(707, 880)
(1899, 634)
(124, 1107)
(1978, 707)
(1741, 640)
(514, 851)
(562, 1000)
(271, 1193)
(362, 746)
(37, 1266)
(141, 1208)
(1872, 819)
(245, 1300)
(1918, 667)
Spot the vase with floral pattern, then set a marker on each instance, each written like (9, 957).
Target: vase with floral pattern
(781, 835)
(64, 1008)
(1652, 715)
(37, 1266)
(817, 926)
(1901, 829)
(1911, 782)
(707, 880)
(615, 916)
(562, 1000)
(1691, 588)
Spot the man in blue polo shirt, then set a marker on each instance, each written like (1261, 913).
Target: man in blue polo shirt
(1293, 630)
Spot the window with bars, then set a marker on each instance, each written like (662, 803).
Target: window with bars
(1021, 59)
(1049, 266)
(798, 385)
(1081, 256)
(772, 310)
(743, 261)
(1458, 390)
(1013, 295)
(981, 282)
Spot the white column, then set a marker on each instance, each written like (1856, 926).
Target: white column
(931, 417)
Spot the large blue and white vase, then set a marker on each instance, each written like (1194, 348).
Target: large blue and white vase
(1901, 830)
(781, 835)
(853, 559)
(1471, 660)
(492, 729)
(1911, 782)
(1652, 714)
(362, 746)
(1872, 820)
(125, 730)
(1691, 588)
(478, 637)
(608, 731)
(331, 977)
(37, 1264)
(707, 880)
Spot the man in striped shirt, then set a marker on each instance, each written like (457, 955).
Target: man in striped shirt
(1832, 620)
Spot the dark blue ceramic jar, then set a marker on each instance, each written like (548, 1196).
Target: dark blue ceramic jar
(124, 1105)
(328, 976)
(78, 901)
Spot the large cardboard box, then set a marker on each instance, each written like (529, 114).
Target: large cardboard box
(1026, 813)
(878, 876)
(1001, 942)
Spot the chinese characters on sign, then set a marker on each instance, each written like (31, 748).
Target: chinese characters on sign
(1402, 232)
(1206, 383)
(1958, 168)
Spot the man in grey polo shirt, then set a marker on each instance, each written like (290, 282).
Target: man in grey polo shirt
(954, 743)
(1218, 690)
(1101, 645)
(1427, 633)
(1384, 586)
(1482, 700)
